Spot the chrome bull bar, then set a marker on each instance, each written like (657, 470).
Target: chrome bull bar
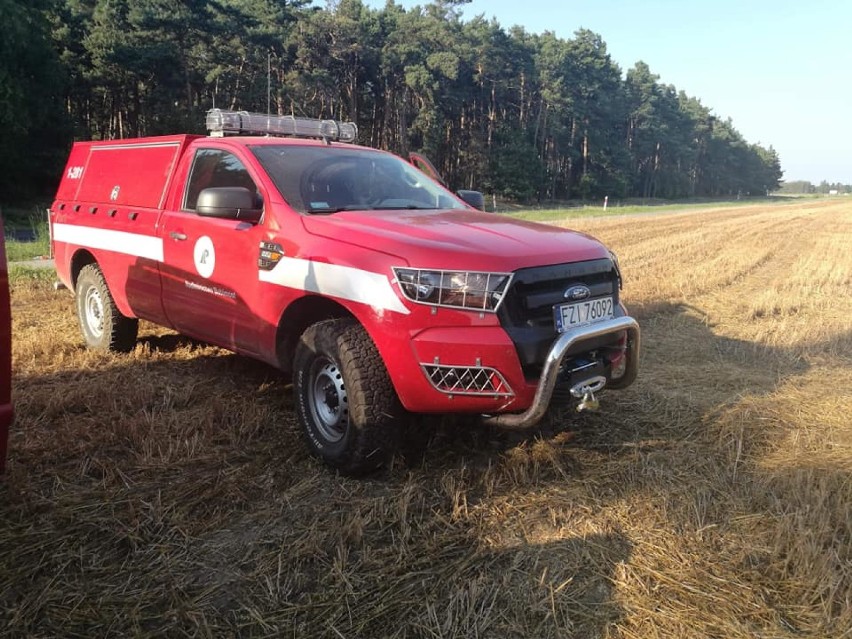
(553, 362)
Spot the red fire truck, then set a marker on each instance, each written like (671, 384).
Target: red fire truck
(5, 353)
(381, 292)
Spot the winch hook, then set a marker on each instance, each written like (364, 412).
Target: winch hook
(585, 392)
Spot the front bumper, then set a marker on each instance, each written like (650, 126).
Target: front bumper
(476, 369)
(550, 373)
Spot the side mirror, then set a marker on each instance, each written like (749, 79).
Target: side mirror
(229, 202)
(474, 198)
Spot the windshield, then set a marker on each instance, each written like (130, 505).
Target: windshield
(328, 179)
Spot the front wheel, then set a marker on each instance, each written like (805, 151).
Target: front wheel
(102, 324)
(350, 414)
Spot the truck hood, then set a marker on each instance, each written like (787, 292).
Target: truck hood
(452, 239)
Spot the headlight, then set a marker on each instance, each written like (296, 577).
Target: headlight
(460, 289)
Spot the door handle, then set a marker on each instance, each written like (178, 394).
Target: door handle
(177, 236)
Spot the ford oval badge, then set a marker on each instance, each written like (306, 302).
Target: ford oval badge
(577, 293)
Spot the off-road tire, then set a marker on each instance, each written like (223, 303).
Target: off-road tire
(102, 324)
(350, 414)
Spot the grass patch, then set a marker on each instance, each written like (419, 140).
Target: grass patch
(31, 223)
(19, 274)
(17, 251)
(572, 212)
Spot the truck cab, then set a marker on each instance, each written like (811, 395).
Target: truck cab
(380, 291)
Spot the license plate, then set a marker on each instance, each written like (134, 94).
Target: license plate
(582, 313)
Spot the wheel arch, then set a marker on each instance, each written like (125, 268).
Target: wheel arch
(82, 257)
(297, 317)
(114, 278)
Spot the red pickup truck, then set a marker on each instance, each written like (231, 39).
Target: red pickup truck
(382, 293)
(5, 353)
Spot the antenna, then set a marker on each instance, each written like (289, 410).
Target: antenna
(268, 83)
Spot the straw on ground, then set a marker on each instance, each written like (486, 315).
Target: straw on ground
(167, 492)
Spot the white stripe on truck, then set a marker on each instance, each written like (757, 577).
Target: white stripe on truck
(345, 282)
(366, 287)
(146, 246)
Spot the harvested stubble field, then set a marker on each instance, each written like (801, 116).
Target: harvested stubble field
(168, 493)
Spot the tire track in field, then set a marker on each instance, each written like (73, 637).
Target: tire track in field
(797, 305)
(684, 257)
(789, 239)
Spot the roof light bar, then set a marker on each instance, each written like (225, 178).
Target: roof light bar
(221, 123)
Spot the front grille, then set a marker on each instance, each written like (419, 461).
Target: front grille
(535, 291)
(527, 310)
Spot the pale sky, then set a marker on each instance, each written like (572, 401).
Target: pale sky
(780, 69)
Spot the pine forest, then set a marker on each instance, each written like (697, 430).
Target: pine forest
(523, 116)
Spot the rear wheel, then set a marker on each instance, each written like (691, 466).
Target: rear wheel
(102, 324)
(350, 414)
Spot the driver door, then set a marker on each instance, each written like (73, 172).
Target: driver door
(209, 273)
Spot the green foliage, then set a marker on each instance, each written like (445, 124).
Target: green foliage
(35, 134)
(524, 116)
(21, 251)
(517, 169)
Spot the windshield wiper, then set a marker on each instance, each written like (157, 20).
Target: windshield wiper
(406, 207)
(327, 210)
(324, 210)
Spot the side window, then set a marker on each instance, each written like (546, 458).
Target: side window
(213, 168)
